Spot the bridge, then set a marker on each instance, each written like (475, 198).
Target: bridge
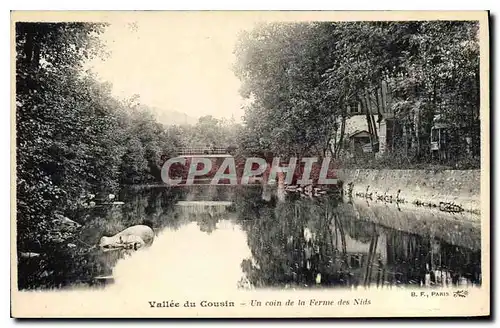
(191, 151)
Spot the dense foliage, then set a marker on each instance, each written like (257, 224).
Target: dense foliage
(305, 80)
(73, 137)
(210, 131)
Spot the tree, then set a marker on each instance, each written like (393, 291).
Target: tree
(73, 139)
(280, 66)
(303, 80)
(210, 131)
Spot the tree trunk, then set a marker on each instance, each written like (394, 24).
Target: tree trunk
(364, 106)
(28, 46)
(31, 47)
(372, 116)
(374, 127)
(417, 134)
(339, 145)
(36, 55)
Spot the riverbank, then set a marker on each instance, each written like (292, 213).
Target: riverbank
(461, 187)
(460, 229)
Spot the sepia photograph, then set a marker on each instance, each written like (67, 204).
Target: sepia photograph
(227, 164)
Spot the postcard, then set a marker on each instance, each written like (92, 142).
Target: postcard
(250, 164)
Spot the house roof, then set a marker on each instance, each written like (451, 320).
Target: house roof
(357, 132)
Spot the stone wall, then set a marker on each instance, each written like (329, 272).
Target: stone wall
(462, 187)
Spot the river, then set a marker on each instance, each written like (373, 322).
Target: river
(247, 243)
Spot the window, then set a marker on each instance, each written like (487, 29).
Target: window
(434, 135)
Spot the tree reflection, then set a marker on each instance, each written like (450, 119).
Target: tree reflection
(153, 207)
(296, 243)
(208, 223)
(324, 242)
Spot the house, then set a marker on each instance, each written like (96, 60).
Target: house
(452, 139)
(439, 140)
(360, 142)
(372, 113)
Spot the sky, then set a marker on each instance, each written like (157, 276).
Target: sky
(175, 62)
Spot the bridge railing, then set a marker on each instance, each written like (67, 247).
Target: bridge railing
(203, 151)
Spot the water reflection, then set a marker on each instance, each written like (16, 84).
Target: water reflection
(300, 243)
(186, 260)
(306, 243)
(153, 207)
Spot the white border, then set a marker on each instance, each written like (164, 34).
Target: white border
(187, 5)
